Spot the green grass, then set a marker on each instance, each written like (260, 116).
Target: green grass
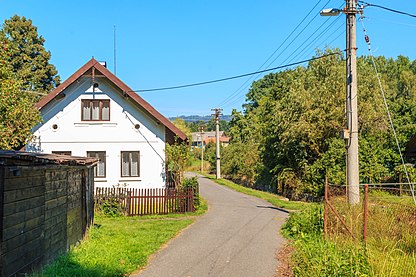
(273, 199)
(315, 256)
(117, 246)
(390, 249)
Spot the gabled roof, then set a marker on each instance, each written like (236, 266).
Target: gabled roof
(127, 91)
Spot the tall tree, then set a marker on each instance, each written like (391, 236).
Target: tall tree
(181, 125)
(27, 56)
(17, 114)
(292, 120)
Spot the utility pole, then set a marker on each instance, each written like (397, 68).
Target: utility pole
(351, 105)
(201, 130)
(351, 133)
(217, 113)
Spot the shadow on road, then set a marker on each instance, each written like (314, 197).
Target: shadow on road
(273, 208)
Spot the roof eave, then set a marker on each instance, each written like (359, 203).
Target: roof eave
(121, 85)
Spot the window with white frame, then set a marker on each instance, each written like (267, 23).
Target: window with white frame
(99, 170)
(95, 110)
(130, 163)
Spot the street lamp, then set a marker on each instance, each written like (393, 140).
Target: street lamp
(350, 11)
(330, 12)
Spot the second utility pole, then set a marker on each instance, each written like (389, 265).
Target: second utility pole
(201, 130)
(351, 105)
(217, 113)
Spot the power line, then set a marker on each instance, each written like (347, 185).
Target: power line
(314, 40)
(237, 76)
(367, 40)
(236, 100)
(387, 9)
(329, 43)
(391, 21)
(311, 36)
(233, 96)
(275, 51)
(304, 28)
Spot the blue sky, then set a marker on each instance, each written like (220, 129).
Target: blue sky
(169, 43)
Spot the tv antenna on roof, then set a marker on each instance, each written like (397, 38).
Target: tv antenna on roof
(115, 56)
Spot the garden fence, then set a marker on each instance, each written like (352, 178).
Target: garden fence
(128, 201)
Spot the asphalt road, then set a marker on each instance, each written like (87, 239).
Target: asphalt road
(238, 236)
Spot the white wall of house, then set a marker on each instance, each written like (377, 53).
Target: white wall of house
(63, 130)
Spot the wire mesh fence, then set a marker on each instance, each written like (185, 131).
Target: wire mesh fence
(384, 222)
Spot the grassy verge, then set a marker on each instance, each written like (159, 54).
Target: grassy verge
(340, 255)
(315, 256)
(273, 199)
(118, 246)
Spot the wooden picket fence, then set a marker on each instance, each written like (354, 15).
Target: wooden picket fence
(132, 202)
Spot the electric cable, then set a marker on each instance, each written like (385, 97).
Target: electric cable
(310, 43)
(391, 21)
(234, 77)
(241, 88)
(236, 100)
(367, 40)
(277, 49)
(387, 9)
(304, 28)
(329, 43)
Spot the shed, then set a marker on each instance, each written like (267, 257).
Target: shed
(47, 205)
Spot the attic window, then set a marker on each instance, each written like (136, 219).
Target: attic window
(95, 110)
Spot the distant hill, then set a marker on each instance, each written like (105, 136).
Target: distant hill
(196, 118)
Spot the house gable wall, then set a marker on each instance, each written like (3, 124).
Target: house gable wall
(118, 134)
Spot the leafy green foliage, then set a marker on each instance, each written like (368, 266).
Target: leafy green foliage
(177, 158)
(211, 156)
(315, 256)
(240, 161)
(182, 125)
(25, 74)
(27, 57)
(306, 223)
(272, 198)
(113, 203)
(193, 126)
(17, 114)
(287, 139)
(192, 183)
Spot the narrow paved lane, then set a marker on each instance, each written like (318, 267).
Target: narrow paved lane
(238, 236)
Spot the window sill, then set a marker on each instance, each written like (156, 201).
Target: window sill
(129, 180)
(93, 123)
(100, 180)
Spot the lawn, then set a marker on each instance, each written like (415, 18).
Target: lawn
(118, 246)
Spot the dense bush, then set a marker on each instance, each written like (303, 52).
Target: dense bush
(307, 223)
(287, 138)
(192, 183)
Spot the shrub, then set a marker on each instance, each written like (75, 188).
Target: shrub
(308, 223)
(112, 204)
(192, 183)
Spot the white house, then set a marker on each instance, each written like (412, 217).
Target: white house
(94, 114)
